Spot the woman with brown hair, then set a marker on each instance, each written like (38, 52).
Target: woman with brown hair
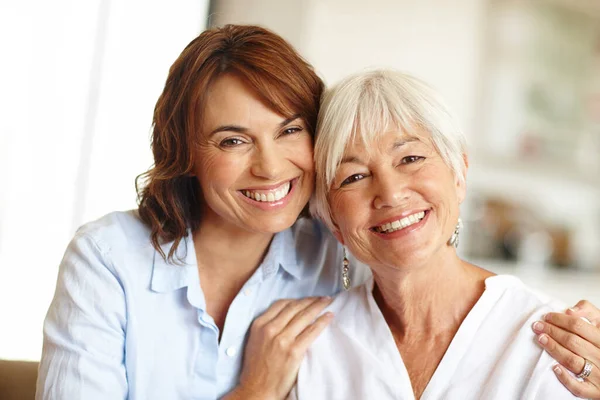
(158, 303)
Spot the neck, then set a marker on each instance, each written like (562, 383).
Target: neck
(430, 300)
(230, 251)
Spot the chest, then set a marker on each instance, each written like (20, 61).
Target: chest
(422, 358)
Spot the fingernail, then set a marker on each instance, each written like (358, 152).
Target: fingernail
(538, 326)
(329, 314)
(574, 308)
(543, 339)
(557, 370)
(546, 317)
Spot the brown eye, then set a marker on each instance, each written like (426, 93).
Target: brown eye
(292, 130)
(411, 159)
(352, 178)
(231, 142)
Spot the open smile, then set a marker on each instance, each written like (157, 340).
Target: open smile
(388, 227)
(270, 197)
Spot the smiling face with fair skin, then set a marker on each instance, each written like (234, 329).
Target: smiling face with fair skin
(254, 166)
(395, 202)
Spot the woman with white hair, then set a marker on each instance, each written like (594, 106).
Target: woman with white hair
(391, 166)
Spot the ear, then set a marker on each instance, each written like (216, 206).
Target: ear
(461, 184)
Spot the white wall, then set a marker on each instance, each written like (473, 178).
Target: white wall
(438, 40)
(79, 81)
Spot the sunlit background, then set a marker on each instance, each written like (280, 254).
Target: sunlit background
(79, 79)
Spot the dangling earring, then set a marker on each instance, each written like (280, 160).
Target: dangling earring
(345, 269)
(455, 235)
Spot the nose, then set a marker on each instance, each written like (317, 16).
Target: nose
(268, 162)
(390, 191)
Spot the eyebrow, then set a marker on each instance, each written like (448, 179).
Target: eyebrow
(241, 129)
(397, 144)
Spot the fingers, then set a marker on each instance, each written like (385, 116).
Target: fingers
(303, 317)
(587, 310)
(569, 361)
(564, 356)
(286, 319)
(313, 331)
(272, 311)
(567, 348)
(585, 389)
(578, 328)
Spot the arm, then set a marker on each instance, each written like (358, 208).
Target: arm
(84, 330)
(278, 341)
(570, 339)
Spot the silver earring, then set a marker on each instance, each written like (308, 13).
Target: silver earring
(345, 269)
(456, 234)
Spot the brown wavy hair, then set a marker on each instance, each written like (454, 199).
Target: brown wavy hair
(169, 197)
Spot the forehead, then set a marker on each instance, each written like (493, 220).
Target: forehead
(230, 95)
(386, 140)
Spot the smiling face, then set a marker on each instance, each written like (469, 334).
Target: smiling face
(254, 166)
(394, 201)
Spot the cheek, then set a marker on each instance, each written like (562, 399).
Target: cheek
(347, 212)
(218, 169)
(301, 154)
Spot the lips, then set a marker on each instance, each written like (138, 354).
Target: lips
(399, 223)
(270, 195)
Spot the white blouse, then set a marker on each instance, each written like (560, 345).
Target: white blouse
(494, 354)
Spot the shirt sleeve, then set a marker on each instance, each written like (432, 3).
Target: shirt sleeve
(84, 330)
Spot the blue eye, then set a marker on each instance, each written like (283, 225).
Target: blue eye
(411, 159)
(352, 179)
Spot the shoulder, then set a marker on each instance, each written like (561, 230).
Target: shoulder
(116, 228)
(511, 290)
(320, 255)
(351, 303)
(313, 233)
(113, 241)
(354, 316)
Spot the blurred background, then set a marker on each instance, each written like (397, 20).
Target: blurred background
(78, 83)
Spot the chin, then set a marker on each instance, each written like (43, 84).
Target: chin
(275, 225)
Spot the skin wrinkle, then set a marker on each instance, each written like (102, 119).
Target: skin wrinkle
(263, 149)
(421, 286)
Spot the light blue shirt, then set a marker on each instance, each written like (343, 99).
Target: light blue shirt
(124, 324)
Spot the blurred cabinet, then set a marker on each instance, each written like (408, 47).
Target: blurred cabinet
(538, 141)
(541, 98)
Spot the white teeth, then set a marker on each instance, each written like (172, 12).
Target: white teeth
(269, 196)
(400, 224)
(279, 194)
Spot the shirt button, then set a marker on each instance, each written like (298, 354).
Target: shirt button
(247, 292)
(231, 351)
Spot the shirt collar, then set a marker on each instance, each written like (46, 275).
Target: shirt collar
(282, 253)
(168, 277)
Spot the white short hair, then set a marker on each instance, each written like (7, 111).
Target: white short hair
(364, 106)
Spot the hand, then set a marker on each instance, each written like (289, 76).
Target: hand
(278, 341)
(570, 339)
